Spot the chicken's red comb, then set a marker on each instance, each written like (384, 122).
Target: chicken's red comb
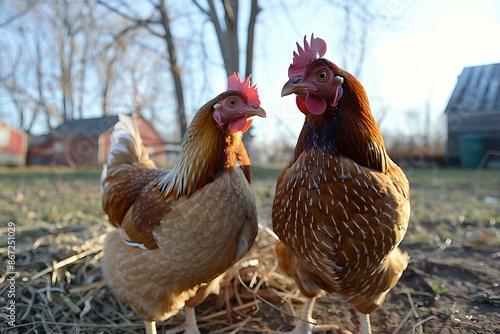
(310, 52)
(250, 92)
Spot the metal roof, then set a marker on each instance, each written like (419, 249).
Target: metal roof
(84, 128)
(477, 90)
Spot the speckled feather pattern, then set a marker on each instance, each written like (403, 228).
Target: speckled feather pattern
(341, 223)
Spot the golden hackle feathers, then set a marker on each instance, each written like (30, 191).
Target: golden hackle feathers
(201, 157)
(206, 151)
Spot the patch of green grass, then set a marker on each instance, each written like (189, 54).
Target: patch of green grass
(31, 196)
(453, 205)
(438, 290)
(266, 172)
(457, 176)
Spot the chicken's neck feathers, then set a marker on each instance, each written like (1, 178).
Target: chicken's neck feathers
(348, 129)
(205, 152)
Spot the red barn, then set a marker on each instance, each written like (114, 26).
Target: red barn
(13, 146)
(85, 142)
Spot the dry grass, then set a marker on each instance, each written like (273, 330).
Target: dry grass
(60, 289)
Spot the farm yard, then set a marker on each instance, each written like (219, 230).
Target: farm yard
(452, 284)
(362, 87)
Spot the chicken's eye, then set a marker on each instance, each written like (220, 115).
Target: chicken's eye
(232, 102)
(322, 75)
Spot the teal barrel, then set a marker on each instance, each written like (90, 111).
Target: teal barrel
(472, 148)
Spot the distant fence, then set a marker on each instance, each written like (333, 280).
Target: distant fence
(418, 151)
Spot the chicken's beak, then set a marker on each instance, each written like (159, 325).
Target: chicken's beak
(294, 86)
(256, 112)
(250, 113)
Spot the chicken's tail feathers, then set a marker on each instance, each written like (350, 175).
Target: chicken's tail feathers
(126, 149)
(126, 145)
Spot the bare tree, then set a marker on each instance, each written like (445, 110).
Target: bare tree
(254, 10)
(130, 70)
(58, 61)
(11, 69)
(109, 54)
(174, 66)
(226, 29)
(359, 19)
(71, 28)
(15, 82)
(47, 77)
(73, 35)
(158, 24)
(115, 56)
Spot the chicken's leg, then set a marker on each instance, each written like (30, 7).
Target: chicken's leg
(306, 324)
(190, 322)
(366, 327)
(189, 326)
(150, 327)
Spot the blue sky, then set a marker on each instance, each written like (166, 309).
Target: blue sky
(413, 63)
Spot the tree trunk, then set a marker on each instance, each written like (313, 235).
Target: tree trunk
(174, 67)
(250, 38)
(229, 41)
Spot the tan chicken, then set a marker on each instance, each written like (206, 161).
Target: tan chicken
(342, 205)
(178, 231)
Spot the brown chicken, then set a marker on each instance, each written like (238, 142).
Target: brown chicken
(342, 205)
(178, 231)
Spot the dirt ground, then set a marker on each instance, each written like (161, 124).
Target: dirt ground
(450, 290)
(445, 290)
(452, 284)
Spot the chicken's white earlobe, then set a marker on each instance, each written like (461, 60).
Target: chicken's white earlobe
(217, 116)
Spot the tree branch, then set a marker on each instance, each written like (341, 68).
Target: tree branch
(20, 14)
(201, 8)
(231, 18)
